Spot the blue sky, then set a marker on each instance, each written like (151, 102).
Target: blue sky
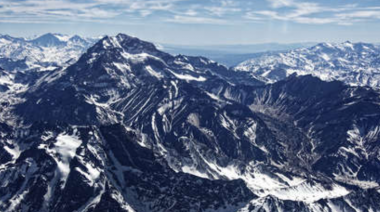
(198, 22)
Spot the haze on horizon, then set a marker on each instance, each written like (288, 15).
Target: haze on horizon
(198, 22)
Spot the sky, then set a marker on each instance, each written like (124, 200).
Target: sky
(198, 22)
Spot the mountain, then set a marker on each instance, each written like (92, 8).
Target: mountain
(48, 40)
(353, 63)
(231, 55)
(46, 52)
(128, 127)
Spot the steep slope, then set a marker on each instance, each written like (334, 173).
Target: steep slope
(331, 131)
(352, 63)
(62, 168)
(131, 128)
(91, 93)
(341, 123)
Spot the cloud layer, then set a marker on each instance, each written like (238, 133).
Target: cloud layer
(214, 12)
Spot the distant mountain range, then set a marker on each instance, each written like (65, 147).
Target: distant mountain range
(352, 63)
(46, 52)
(127, 127)
(231, 55)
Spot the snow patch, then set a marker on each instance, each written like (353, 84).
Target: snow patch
(154, 73)
(63, 151)
(306, 192)
(188, 77)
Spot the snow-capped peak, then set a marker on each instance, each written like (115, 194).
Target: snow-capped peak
(45, 52)
(62, 37)
(352, 63)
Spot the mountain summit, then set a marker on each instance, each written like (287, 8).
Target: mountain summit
(47, 40)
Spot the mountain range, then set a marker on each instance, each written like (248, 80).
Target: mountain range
(46, 52)
(356, 64)
(128, 127)
(231, 55)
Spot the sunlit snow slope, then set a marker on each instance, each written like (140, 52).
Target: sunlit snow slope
(352, 63)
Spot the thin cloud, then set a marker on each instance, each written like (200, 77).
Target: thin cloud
(195, 20)
(290, 17)
(280, 3)
(312, 13)
(224, 8)
(190, 12)
(216, 12)
(55, 9)
(221, 11)
(361, 14)
(97, 10)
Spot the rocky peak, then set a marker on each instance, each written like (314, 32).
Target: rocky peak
(47, 40)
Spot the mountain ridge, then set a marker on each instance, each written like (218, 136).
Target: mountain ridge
(44, 52)
(130, 128)
(352, 63)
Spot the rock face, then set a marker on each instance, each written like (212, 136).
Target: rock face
(131, 128)
(353, 63)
